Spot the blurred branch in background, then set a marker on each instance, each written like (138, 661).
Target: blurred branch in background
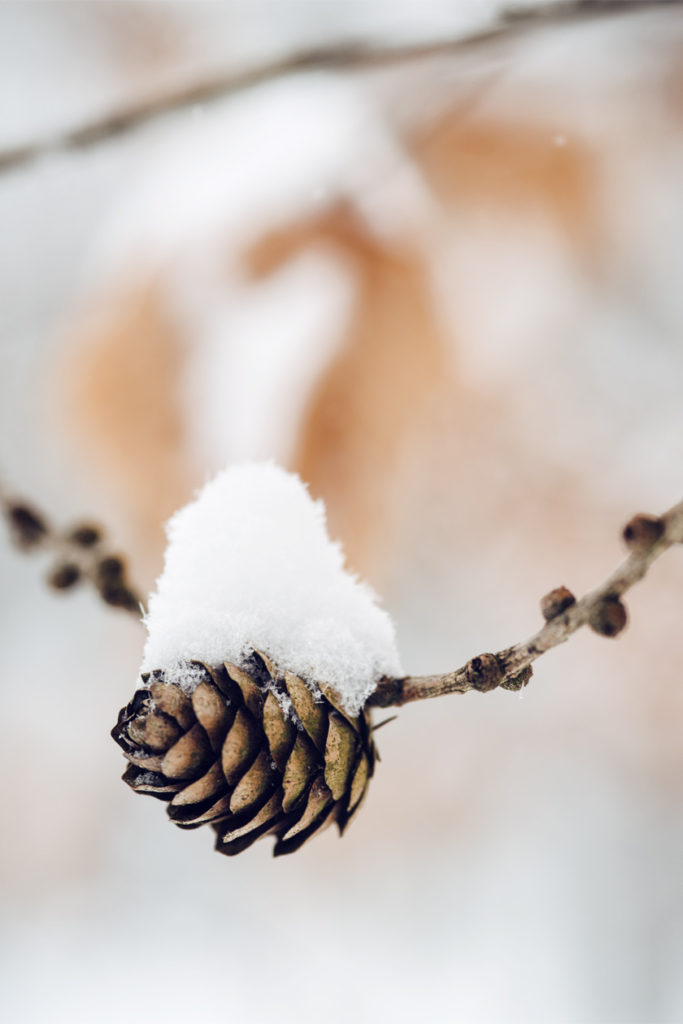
(647, 536)
(512, 21)
(78, 552)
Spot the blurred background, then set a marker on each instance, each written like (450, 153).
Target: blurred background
(442, 282)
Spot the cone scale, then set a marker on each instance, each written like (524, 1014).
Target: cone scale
(251, 751)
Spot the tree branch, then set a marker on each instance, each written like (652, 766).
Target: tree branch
(511, 23)
(647, 537)
(78, 554)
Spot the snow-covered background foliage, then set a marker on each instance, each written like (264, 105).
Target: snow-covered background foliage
(517, 858)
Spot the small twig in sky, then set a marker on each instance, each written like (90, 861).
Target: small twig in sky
(646, 536)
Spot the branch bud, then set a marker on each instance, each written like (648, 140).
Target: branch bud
(64, 576)
(109, 570)
(483, 672)
(85, 536)
(27, 526)
(556, 602)
(642, 531)
(516, 682)
(609, 617)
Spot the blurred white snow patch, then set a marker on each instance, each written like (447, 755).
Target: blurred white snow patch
(249, 566)
(282, 149)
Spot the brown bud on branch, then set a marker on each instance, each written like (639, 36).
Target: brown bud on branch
(64, 576)
(556, 602)
(28, 528)
(642, 531)
(608, 617)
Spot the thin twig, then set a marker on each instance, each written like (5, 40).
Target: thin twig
(648, 537)
(511, 23)
(78, 554)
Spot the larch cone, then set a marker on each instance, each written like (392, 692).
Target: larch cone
(250, 750)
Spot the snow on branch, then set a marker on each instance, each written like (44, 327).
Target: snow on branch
(511, 21)
(647, 537)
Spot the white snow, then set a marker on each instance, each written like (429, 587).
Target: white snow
(249, 566)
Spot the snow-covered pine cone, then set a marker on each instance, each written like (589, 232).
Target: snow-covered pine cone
(251, 751)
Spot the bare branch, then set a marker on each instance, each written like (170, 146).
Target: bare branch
(78, 554)
(512, 22)
(648, 537)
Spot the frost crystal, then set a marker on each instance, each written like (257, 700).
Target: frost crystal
(249, 566)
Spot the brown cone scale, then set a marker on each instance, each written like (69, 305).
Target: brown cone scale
(228, 755)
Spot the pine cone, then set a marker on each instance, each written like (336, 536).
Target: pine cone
(229, 755)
